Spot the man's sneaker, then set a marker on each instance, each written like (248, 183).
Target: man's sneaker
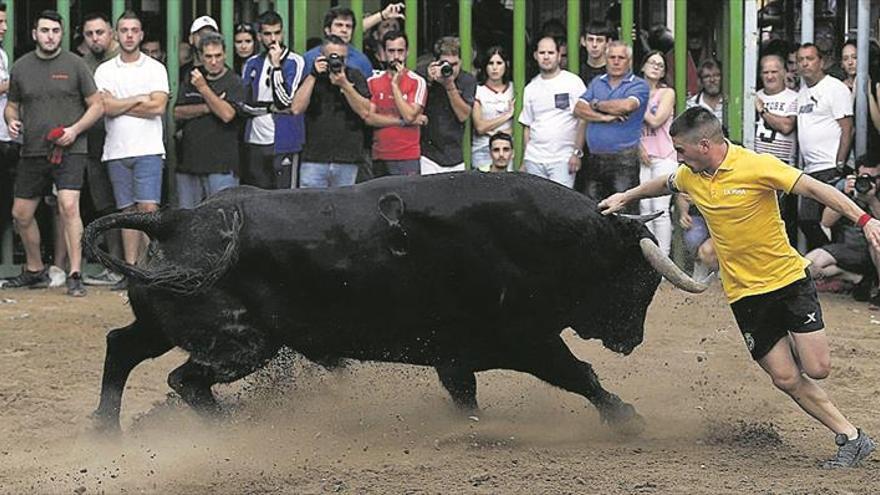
(104, 278)
(121, 285)
(75, 285)
(850, 452)
(29, 279)
(57, 277)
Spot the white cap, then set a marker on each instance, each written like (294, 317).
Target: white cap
(203, 22)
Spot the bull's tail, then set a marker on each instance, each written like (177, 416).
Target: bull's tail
(164, 273)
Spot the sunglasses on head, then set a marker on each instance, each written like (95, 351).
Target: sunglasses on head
(245, 28)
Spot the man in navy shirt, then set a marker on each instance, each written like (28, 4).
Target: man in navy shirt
(340, 21)
(614, 105)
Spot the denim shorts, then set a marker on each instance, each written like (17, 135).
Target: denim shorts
(137, 179)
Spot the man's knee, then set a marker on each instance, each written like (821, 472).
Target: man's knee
(818, 369)
(706, 253)
(787, 381)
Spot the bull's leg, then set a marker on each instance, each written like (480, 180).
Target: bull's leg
(554, 363)
(193, 382)
(461, 385)
(126, 348)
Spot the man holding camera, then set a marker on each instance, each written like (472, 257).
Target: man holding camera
(273, 137)
(398, 98)
(450, 101)
(335, 100)
(852, 259)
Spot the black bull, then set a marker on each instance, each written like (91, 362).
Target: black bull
(462, 272)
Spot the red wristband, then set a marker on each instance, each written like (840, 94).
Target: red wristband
(863, 220)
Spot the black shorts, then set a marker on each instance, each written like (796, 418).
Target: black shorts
(852, 258)
(100, 188)
(35, 175)
(764, 319)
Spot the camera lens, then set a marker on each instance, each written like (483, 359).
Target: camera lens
(864, 183)
(445, 69)
(335, 63)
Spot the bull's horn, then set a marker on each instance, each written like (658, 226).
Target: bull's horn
(642, 218)
(668, 269)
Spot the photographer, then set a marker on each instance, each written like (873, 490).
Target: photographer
(851, 260)
(450, 100)
(335, 100)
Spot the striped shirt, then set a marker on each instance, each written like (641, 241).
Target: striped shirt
(768, 140)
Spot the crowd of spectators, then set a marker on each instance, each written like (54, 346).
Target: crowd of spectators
(259, 114)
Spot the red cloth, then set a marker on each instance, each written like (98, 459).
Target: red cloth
(56, 153)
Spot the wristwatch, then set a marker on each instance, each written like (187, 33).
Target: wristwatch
(578, 153)
(595, 104)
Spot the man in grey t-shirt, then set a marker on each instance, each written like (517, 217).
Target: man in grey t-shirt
(54, 93)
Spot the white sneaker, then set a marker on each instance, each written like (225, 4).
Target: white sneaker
(57, 277)
(106, 277)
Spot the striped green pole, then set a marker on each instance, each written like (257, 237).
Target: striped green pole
(519, 74)
(63, 8)
(465, 26)
(283, 9)
(735, 96)
(574, 35)
(300, 13)
(626, 21)
(357, 36)
(412, 33)
(9, 40)
(117, 9)
(227, 28)
(681, 66)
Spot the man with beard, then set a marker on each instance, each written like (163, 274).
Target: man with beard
(98, 35)
(54, 93)
(398, 98)
(273, 136)
(134, 88)
(709, 97)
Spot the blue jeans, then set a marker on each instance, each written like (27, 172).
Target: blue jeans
(137, 179)
(322, 175)
(193, 188)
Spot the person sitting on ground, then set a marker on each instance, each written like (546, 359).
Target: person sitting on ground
(501, 151)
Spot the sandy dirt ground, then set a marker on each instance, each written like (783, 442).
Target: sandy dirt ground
(715, 425)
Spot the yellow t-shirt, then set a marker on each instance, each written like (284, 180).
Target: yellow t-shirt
(741, 210)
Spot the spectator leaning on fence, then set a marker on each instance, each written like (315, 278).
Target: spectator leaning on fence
(451, 94)
(52, 102)
(134, 88)
(493, 105)
(335, 100)
(553, 135)
(614, 105)
(397, 100)
(205, 106)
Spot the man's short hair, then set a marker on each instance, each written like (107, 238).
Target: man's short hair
(269, 18)
(51, 15)
(92, 16)
(619, 44)
(557, 41)
(813, 46)
(131, 15)
(598, 28)
(869, 159)
(779, 58)
(332, 39)
(697, 123)
(500, 136)
(211, 38)
(393, 35)
(447, 45)
(337, 12)
(2, 7)
(708, 64)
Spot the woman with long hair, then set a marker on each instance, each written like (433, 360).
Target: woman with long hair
(245, 41)
(493, 104)
(658, 153)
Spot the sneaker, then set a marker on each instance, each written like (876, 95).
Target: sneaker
(121, 285)
(850, 452)
(29, 279)
(106, 277)
(75, 286)
(57, 277)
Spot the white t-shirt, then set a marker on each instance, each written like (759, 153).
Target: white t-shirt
(819, 107)
(492, 105)
(129, 136)
(547, 110)
(263, 127)
(698, 101)
(768, 140)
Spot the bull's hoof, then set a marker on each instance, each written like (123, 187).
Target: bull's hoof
(624, 420)
(103, 425)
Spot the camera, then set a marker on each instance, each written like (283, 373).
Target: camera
(864, 183)
(335, 63)
(445, 68)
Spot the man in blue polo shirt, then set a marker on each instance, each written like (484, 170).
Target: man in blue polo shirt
(614, 105)
(340, 21)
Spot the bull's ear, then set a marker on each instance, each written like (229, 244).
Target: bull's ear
(391, 208)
